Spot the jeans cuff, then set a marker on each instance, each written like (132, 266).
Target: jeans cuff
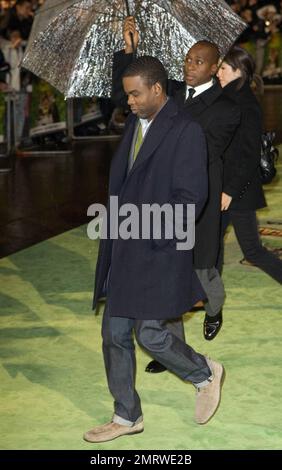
(124, 422)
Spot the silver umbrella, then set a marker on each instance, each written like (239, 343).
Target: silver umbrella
(72, 41)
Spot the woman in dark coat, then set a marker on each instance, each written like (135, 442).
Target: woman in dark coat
(242, 188)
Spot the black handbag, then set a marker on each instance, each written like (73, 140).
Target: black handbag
(268, 158)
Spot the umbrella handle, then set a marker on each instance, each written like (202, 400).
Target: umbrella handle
(131, 35)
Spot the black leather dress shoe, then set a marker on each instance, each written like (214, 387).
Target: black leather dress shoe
(154, 367)
(212, 326)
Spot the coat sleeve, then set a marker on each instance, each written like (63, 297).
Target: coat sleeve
(120, 62)
(190, 174)
(221, 130)
(247, 152)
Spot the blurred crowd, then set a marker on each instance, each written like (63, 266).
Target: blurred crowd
(16, 19)
(263, 37)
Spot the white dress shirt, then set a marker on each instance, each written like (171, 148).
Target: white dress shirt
(145, 124)
(199, 89)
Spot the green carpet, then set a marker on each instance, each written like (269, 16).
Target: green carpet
(52, 379)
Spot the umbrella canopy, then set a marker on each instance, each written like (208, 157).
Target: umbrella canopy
(72, 41)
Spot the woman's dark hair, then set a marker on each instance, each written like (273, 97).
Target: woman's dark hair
(239, 58)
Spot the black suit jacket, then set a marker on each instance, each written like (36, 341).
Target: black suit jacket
(219, 116)
(241, 159)
(150, 279)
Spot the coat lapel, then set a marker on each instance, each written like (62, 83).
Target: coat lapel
(156, 133)
(119, 163)
(196, 106)
(204, 100)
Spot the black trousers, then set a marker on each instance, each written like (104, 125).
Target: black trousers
(246, 231)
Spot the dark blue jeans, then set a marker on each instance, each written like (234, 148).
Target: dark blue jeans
(159, 342)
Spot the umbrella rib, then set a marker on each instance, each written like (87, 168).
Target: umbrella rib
(40, 11)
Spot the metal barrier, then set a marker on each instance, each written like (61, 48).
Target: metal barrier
(41, 122)
(73, 124)
(46, 127)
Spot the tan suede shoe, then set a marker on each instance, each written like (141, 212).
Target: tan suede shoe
(208, 397)
(110, 431)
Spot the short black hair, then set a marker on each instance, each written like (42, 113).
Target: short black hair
(213, 48)
(150, 68)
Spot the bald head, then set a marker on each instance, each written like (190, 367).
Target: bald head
(212, 49)
(201, 63)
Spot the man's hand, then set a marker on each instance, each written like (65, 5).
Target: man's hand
(129, 28)
(225, 201)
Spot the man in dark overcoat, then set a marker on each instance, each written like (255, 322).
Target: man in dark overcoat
(161, 160)
(200, 96)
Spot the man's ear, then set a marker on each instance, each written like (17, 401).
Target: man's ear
(158, 89)
(214, 69)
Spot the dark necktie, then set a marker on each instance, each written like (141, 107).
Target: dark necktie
(191, 92)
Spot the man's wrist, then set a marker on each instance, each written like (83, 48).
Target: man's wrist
(128, 50)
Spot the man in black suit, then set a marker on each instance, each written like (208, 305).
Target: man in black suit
(200, 96)
(161, 160)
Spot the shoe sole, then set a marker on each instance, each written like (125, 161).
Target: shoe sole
(222, 379)
(112, 438)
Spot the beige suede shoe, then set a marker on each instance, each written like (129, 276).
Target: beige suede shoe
(208, 397)
(110, 431)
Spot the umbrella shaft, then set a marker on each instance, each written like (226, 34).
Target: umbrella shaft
(127, 8)
(131, 35)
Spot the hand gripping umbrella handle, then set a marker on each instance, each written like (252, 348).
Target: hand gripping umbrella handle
(131, 35)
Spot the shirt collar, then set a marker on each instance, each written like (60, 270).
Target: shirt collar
(145, 124)
(199, 89)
